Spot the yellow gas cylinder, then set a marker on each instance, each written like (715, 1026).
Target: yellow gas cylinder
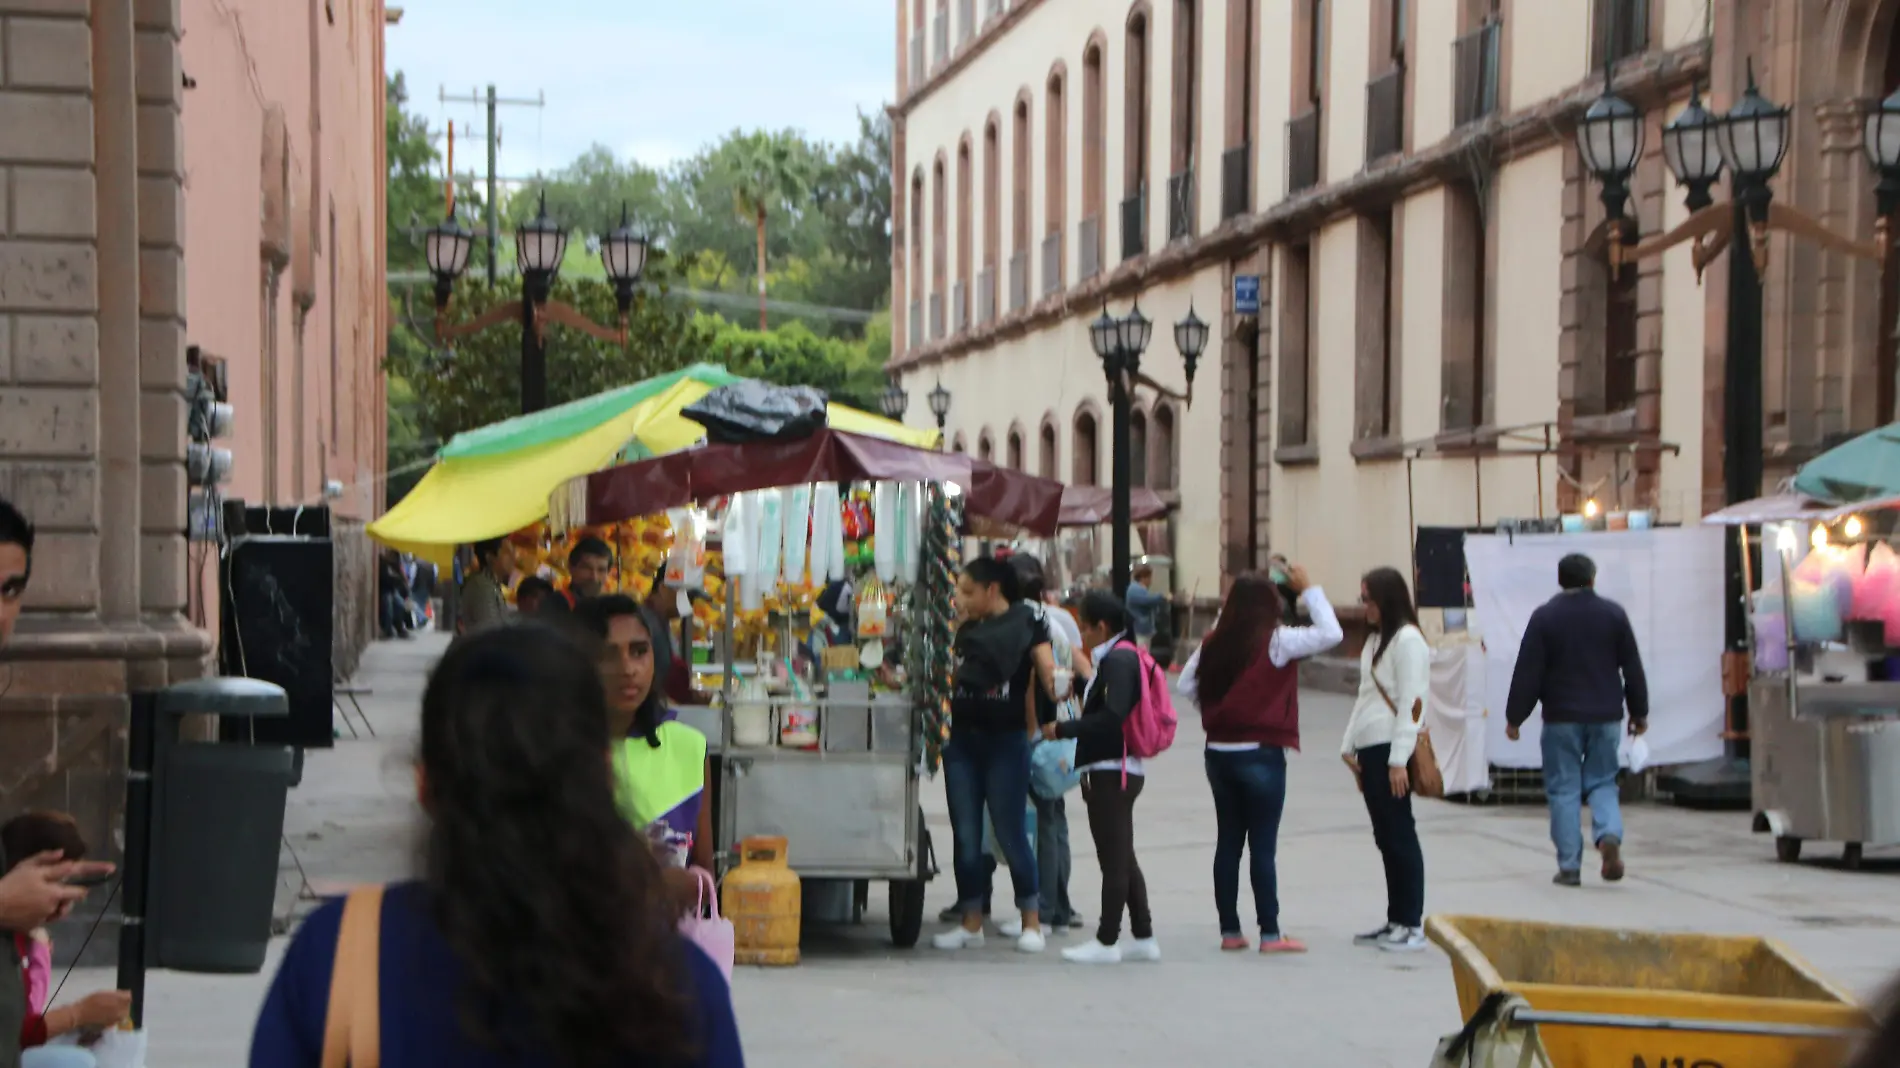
(761, 898)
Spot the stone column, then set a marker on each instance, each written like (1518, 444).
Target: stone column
(160, 373)
(115, 133)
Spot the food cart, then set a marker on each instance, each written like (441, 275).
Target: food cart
(826, 747)
(1824, 689)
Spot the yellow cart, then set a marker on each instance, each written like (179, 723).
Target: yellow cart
(1609, 998)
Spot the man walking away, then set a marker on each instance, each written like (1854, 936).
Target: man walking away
(1144, 605)
(483, 602)
(1579, 660)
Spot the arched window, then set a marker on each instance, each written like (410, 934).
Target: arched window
(1086, 450)
(1019, 207)
(1165, 460)
(917, 257)
(992, 216)
(1015, 449)
(1138, 447)
(985, 451)
(960, 302)
(1055, 177)
(1186, 112)
(957, 444)
(1046, 463)
(1094, 154)
(939, 243)
(1135, 133)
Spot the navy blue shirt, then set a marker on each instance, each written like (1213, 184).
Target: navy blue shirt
(1579, 660)
(418, 978)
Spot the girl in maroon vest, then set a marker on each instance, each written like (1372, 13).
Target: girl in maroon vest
(1246, 679)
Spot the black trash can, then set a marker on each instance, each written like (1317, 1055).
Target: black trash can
(217, 823)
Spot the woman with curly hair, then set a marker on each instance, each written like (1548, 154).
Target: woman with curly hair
(540, 934)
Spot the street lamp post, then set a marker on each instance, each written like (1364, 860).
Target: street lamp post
(895, 401)
(1750, 140)
(940, 407)
(1120, 343)
(540, 247)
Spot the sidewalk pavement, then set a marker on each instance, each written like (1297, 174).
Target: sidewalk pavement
(857, 1001)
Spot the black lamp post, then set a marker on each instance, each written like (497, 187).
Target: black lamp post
(1120, 343)
(540, 248)
(940, 407)
(894, 401)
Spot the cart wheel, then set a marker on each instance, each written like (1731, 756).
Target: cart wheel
(1787, 849)
(907, 912)
(1850, 856)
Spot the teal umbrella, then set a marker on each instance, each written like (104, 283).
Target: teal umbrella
(1866, 467)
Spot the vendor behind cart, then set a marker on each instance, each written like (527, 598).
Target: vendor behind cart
(661, 764)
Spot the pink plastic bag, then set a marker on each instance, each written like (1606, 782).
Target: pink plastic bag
(1877, 591)
(708, 930)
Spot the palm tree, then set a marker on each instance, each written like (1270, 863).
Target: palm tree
(772, 170)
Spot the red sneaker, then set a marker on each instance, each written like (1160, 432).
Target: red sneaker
(1282, 944)
(1231, 943)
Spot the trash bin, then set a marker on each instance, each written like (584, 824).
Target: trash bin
(1611, 998)
(217, 824)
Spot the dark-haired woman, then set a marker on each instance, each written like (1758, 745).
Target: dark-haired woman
(661, 764)
(1111, 781)
(1000, 648)
(1394, 676)
(540, 934)
(1246, 679)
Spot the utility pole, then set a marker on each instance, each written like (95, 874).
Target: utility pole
(494, 102)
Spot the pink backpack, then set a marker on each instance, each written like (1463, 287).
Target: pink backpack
(1149, 729)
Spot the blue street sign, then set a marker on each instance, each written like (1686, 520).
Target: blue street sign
(1246, 294)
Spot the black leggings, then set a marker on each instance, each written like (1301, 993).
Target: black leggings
(1397, 836)
(1112, 825)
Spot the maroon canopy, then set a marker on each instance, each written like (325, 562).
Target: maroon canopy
(711, 471)
(1087, 506)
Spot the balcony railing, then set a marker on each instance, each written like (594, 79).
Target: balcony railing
(936, 316)
(1236, 181)
(986, 297)
(916, 323)
(1051, 262)
(1181, 205)
(918, 72)
(960, 307)
(1089, 243)
(1474, 61)
(1619, 30)
(1019, 281)
(1135, 225)
(966, 21)
(1302, 152)
(1385, 115)
(940, 38)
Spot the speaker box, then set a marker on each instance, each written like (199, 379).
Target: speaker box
(277, 602)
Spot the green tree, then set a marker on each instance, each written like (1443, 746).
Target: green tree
(773, 173)
(415, 186)
(590, 193)
(792, 355)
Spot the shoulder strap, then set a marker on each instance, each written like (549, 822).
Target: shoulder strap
(352, 1026)
(1389, 703)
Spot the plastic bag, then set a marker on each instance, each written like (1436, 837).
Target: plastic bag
(797, 532)
(1877, 591)
(771, 538)
(751, 411)
(708, 930)
(884, 532)
(1639, 753)
(117, 1048)
(1817, 609)
(1052, 770)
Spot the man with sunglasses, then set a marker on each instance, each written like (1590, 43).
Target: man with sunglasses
(36, 890)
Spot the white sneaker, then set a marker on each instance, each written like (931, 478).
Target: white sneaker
(958, 938)
(1404, 940)
(1011, 928)
(1141, 949)
(1093, 952)
(1373, 938)
(1031, 942)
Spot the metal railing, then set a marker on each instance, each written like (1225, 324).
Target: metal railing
(1135, 225)
(936, 316)
(1302, 151)
(940, 37)
(966, 21)
(1474, 86)
(1181, 205)
(959, 307)
(916, 323)
(1620, 30)
(1019, 281)
(1089, 244)
(1236, 184)
(918, 72)
(1385, 115)
(986, 296)
(1051, 262)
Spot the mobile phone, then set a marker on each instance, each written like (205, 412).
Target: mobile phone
(90, 879)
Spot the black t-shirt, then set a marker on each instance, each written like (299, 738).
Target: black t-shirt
(991, 701)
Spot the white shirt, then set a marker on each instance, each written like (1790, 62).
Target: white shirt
(1129, 765)
(1406, 673)
(1060, 619)
(1288, 643)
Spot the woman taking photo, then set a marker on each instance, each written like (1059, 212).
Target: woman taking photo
(1246, 679)
(1111, 781)
(1001, 648)
(540, 934)
(1394, 675)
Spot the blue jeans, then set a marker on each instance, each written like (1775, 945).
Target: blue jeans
(989, 770)
(1249, 795)
(1580, 764)
(1052, 860)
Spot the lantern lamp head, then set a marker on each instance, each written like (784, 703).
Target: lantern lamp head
(1190, 337)
(540, 246)
(1611, 140)
(624, 254)
(1880, 136)
(1754, 134)
(895, 401)
(1136, 330)
(1105, 335)
(447, 247)
(940, 403)
(1691, 147)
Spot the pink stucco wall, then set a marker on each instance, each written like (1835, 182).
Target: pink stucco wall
(288, 289)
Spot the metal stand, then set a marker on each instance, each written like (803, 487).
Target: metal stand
(136, 874)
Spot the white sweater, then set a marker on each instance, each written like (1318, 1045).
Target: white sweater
(1406, 672)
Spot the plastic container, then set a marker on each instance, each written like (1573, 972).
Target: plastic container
(1609, 998)
(752, 725)
(762, 899)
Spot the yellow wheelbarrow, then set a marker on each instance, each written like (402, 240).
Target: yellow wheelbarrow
(1609, 998)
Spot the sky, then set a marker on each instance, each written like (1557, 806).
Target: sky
(653, 80)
